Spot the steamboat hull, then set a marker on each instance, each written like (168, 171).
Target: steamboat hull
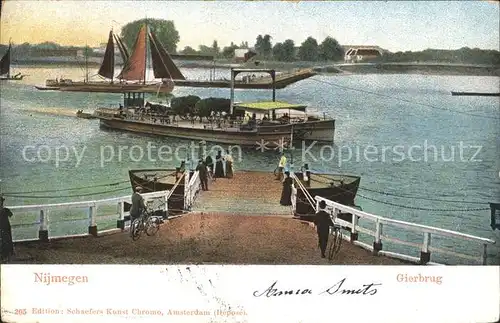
(269, 139)
(157, 182)
(320, 131)
(343, 194)
(118, 88)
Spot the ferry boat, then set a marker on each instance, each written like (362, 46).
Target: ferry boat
(246, 124)
(163, 179)
(340, 188)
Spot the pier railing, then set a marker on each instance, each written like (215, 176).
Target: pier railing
(192, 187)
(426, 232)
(44, 216)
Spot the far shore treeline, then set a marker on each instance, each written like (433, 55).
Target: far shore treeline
(310, 50)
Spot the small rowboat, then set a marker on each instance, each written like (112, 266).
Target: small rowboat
(474, 94)
(47, 88)
(85, 115)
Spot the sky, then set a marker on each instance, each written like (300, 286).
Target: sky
(392, 25)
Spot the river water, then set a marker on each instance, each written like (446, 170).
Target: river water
(405, 135)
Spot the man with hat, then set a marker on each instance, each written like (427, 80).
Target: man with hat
(203, 173)
(138, 206)
(7, 246)
(323, 222)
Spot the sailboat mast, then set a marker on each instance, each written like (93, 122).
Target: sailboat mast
(146, 51)
(10, 48)
(113, 74)
(86, 64)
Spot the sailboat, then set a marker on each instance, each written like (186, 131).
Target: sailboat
(132, 78)
(5, 68)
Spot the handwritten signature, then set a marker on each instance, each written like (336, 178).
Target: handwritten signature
(337, 288)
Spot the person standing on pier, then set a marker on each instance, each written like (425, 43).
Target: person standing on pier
(7, 245)
(219, 167)
(323, 223)
(138, 206)
(281, 166)
(210, 164)
(202, 172)
(286, 193)
(229, 165)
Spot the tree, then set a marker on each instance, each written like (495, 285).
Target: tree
(205, 50)
(278, 53)
(284, 51)
(189, 51)
(308, 50)
(263, 45)
(164, 30)
(330, 50)
(244, 44)
(215, 48)
(228, 52)
(48, 45)
(289, 50)
(183, 105)
(205, 107)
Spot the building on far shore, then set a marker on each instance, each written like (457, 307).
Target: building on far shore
(242, 55)
(362, 53)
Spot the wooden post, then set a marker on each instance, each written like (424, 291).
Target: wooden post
(231, 104)
(120, 223)
(425, 254)
(92, 222)
(273, 77)
(354, 232)
(484, 256)
(377, 244)
(43, 232)
(186, 190)
(165, 205)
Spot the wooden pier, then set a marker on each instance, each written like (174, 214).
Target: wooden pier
(246, 193)
(248, 203)
(282, 81)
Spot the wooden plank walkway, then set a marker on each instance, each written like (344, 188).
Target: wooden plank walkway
(246, 193)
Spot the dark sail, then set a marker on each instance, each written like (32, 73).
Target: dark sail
(135, 67)
(160, 70)
(123, 50)
(166, 67)
(107, 69)
(5, 63)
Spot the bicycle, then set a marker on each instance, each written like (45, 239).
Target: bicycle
(335, 241)
(147, 222)
(211, 173)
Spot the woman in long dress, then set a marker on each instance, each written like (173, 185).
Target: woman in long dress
(7, 246)
(210, 165)
(219, 167)
(286, 193)
(229, 166)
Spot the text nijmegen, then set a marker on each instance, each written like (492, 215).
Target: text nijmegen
(48, 278)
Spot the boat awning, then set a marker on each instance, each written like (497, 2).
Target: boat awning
(268, 106)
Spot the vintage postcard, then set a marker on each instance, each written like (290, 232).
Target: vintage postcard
(250, 161)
